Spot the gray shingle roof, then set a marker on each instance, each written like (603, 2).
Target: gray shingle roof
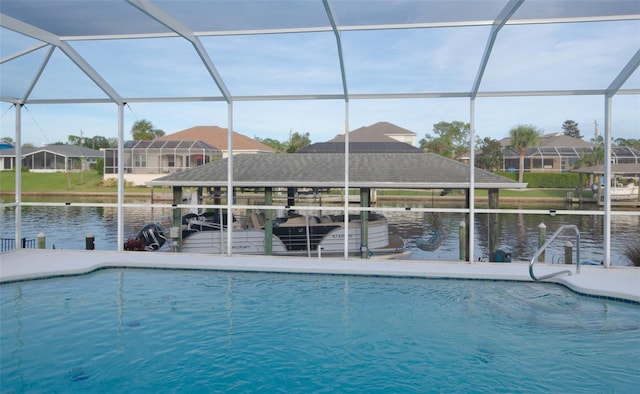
(555, 140)
(377, 132)
(390, 146)
(375, 170)
(62, 150)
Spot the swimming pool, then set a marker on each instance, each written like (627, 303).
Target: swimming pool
(186, 331)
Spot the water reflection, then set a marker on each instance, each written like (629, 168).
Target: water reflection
(66, 228)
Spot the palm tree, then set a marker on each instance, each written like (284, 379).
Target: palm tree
(144, 130)
(522, 137)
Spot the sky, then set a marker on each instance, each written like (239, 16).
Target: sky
(568, 56)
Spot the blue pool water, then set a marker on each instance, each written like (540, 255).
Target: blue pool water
(199, 331)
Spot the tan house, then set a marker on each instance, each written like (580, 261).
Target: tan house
(381, 137)
(382, 132)
(218, 138)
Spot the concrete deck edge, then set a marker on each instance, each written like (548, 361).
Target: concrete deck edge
(620, 283)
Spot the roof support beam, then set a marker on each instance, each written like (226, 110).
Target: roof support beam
(23, 52)
(45, 36)
(170, 22)
(39, 73)
(320, 29)
(353, 96)
(334, 26)
(626, 72)
(500, 21)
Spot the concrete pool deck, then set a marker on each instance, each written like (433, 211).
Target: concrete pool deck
(621, 283)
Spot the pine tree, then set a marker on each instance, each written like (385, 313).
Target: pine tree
(571, 129)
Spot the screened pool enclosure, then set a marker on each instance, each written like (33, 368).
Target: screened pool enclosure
(345, 59)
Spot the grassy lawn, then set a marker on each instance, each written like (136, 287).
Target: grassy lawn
(60, 182)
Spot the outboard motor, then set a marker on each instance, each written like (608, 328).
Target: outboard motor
(153, 236)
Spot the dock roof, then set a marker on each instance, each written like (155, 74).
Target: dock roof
(374, 170)
(630, 169)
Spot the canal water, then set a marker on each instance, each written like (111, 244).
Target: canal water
(66, 228)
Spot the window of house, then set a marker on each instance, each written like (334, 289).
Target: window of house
(141, 161)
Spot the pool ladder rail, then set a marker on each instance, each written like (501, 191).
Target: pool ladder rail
(546, 244)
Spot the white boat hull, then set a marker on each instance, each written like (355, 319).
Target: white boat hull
(629, 193)
(252, 240)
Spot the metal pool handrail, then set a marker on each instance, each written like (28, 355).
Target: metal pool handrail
(543, 247)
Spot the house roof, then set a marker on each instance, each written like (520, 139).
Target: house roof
(168, 144)
(391, 146)
(217, 137)
(555, 140)
(367, 139)
(617, 152)
(374, 170)
(62, 150)
(377, 132)
(561, 145)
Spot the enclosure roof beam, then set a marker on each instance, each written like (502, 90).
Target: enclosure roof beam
(500, 21)
(23, 52)
(352, 96)
(35, 79)
(173, 24)
(50, 38)
(336, 32)
(626, 72)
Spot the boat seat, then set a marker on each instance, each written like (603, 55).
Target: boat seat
(296, 221)
(256, 220)
(240, 225)
(326, 219)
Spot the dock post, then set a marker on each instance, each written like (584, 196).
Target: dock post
(463, 240)
(90, 241)
(42, 241)
(494, 230)
(268, 222)
(174, 234)
(568, 253)
(365, 193)
(542, 237)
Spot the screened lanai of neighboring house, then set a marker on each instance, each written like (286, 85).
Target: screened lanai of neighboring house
(564, 158)
(243, 55)
(52, 158)
(158, 157)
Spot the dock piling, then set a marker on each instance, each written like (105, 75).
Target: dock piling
(542, 238)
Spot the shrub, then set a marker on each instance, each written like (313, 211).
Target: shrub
(543, 180)
(633, 253)
(113, 182)
(98, 166)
